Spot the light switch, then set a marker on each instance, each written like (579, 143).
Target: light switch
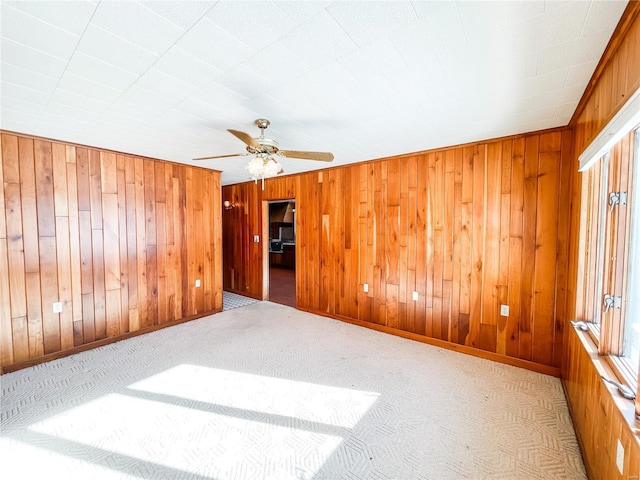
(415, 296)
(198, 283)
(366, 287)
(256, 239)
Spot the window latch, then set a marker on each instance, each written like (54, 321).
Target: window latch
(617, 198)
(624, 390)
(612, 301)
(580, 325)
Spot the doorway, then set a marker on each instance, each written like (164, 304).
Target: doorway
(282, 252)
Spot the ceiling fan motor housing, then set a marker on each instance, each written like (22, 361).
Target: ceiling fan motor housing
(268, 146)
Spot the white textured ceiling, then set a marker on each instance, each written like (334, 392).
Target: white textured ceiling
(364, 80)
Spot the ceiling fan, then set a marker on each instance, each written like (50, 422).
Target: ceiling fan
(264, 164)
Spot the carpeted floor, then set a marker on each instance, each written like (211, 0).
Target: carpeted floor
(269, 392)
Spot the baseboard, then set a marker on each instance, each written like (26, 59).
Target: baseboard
(476, 352)
(99, 343)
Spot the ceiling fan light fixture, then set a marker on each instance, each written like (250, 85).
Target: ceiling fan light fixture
(263, 166)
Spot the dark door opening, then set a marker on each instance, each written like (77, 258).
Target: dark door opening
(282, 252)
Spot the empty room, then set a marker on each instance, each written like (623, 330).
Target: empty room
(320, 240)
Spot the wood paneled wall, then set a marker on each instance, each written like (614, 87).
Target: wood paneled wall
(468, 228)
(615, 80)
(119, 240)
(600, 415)
(597, 416)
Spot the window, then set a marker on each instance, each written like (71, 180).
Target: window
(592, 236)
(631, 332)
(609, 281)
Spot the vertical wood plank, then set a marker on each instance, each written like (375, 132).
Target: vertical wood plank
(123, 237)
(20, 338)
(477, 246)
(161, 244)
(95, 189)
(565, 182)
(529, 214)
(88, 322)
(516, 225)
(3, 223)
(132, 238)
(170, 261)
(113, 313)
(108, 173)
(6, 339)
(545, 265)
(207, 229)
(421, 269)
(457, 232)
(86, 252)
(74, 235)
(28, 197)
(15, 250)
(99, 290)
(59, 172)
(82, 174)
(141, 243)
(44, 188)
(491, 264)
(65, 288)
(49, 292)
(111, 241)
(33, 327)
(150, 202)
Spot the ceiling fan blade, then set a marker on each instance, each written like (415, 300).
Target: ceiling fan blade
(321, 156)
(245, 137)
(222, 156)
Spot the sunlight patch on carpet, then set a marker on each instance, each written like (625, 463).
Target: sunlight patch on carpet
(215, 423)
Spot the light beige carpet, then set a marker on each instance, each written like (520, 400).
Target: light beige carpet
(269, 392)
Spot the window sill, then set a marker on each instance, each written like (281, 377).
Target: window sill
(604, 368)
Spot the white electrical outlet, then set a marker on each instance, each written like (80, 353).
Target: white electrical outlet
(366, 287)
(57, 307)
(198, 283)
(504, 310)
(415, 296)
(256, 239)
(620, 457)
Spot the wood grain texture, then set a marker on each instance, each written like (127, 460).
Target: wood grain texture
(599, 414)
(467, 228)
(93, 229)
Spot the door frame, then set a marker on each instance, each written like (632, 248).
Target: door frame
(265, 245)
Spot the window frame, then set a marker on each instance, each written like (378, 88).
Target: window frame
(611, 231)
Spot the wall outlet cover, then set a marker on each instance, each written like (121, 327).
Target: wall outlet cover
(504, 310)
(366, 287)
(415, 296)
(57, 307)
(620, 457)
(198, 283)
